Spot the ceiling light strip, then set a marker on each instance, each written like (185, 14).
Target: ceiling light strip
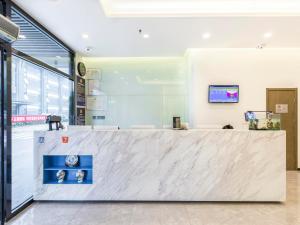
(130, 8)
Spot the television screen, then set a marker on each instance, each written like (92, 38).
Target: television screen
(223, 94)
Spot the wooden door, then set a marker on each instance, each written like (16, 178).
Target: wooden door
(284, 101)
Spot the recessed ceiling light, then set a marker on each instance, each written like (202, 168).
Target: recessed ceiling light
(85, 36)
(206, 35)
(146, 35)
(88, 49)
(268, 35)
(22, 36)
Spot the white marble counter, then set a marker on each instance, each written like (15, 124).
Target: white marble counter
(167, 165)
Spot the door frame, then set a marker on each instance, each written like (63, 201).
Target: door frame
(296, 91)
(5, 128)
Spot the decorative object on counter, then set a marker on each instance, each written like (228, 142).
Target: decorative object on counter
(176, 123)
(228, 126)
(253, 124)
(273, 122)
(80, 176)
(72, 160)
(184, 126)
(263, 120)
(81, 69)
(249, 115)
(60, 175)
(54, 119)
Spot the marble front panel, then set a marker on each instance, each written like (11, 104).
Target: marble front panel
(167, 165)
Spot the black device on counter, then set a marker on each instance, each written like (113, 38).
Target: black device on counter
(54, 119)
(176, 123)
(228, 126)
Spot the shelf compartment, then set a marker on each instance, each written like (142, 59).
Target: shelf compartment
(54, 163)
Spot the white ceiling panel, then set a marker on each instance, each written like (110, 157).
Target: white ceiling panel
(120, 37)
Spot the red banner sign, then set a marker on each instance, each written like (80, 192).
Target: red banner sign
(28, 118)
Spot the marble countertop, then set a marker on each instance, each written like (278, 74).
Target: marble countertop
(162, 129)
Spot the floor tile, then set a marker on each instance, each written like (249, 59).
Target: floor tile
(160, 213)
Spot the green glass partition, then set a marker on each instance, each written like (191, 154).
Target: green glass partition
(138, 91)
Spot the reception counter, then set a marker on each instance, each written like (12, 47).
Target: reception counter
(162, 165)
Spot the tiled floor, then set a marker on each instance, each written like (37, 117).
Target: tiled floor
(287, 213)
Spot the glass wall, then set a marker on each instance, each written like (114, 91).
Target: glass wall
(36, 93)
(137, 92)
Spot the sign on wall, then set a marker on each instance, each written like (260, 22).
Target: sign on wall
(282, 108)
(28, 118)
(80, 101)
(80, 89)
(80, 116)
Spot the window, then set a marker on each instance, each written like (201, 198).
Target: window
(35, 42)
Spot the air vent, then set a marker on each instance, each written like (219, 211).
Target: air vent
(9, 31)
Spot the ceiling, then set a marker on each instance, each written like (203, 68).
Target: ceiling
(191, 8)
(168, 36)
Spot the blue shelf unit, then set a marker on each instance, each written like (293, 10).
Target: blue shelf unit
(53, 163)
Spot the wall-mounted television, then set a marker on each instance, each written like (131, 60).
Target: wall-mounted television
(223, 94)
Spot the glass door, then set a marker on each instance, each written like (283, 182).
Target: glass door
(26, 117)
(36, 92)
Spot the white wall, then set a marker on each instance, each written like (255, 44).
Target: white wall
(254, 70)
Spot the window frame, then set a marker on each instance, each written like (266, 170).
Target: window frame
(44, 30)
(52, 37)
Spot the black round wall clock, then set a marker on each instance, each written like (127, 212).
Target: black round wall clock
(81, 69)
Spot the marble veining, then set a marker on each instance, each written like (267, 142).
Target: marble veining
(167, 165)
